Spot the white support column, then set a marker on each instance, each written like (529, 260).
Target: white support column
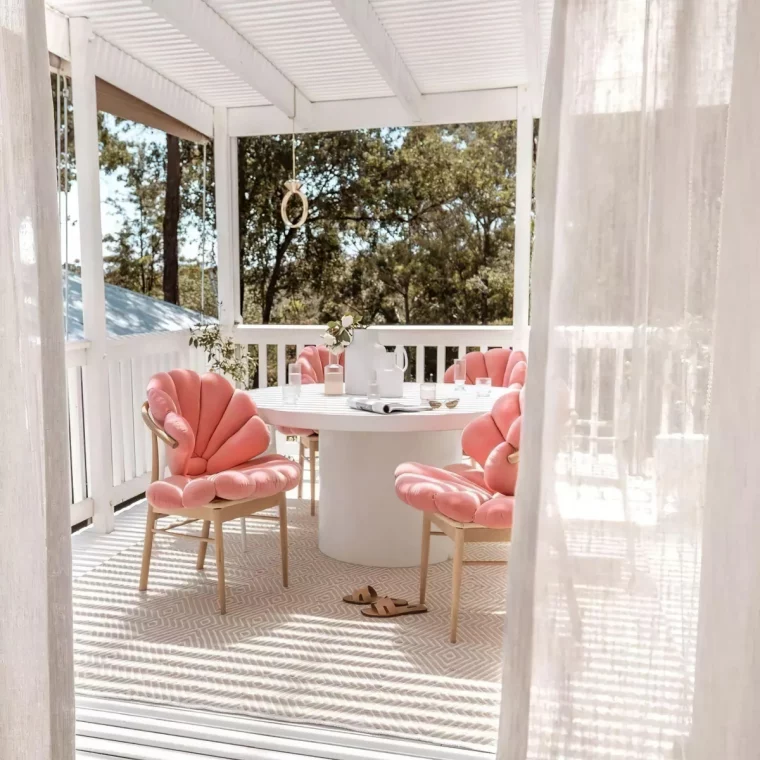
(235, 228)
(97, 410)
(227, 244)
(523, 197)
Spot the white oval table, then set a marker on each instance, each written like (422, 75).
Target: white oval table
(360, 518)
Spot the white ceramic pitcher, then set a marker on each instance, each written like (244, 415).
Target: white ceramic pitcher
(390, 368)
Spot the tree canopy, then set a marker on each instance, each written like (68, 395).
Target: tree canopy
(410, 226)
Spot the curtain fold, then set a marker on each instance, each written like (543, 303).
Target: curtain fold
(36, 670)
(607, 589)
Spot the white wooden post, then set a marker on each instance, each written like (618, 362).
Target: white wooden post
(227, 244)
(523, 197)
(97, 411)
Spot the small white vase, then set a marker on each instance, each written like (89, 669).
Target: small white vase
(360, 363)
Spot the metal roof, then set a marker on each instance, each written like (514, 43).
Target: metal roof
(129, 313)
(309, 58)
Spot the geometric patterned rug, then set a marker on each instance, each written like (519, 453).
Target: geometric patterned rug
(298, 654)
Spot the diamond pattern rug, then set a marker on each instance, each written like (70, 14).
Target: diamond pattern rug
(298, 654)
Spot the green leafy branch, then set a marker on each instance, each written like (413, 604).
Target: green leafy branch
(223, 354)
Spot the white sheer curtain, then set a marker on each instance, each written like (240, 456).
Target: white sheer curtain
(36, 672)
(633, 594)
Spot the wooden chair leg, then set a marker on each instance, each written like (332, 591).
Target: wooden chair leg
(284, 539)
(150, 524)
(203, 545)
(219, 544)
(313, 474)
(300, 464)
(424, 561)
(456, 578)
(243, 534)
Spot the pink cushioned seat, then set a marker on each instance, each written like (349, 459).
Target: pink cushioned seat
(467, 494)
(503, 365)
(220, 440)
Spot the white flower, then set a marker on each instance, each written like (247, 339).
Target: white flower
(337, 350)
(347, 321)
(329, 339)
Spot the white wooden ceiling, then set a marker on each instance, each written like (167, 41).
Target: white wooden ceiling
(407, 58)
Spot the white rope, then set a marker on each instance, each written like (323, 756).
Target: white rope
(203, 241)
(66, 197)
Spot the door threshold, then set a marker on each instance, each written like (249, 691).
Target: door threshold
(110, 729)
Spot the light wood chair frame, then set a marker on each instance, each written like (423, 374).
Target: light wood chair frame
(217, 513)
(310, 442)
(461, 534)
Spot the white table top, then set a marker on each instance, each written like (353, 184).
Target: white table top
(315, 411)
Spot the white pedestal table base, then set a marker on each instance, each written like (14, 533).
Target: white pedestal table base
(361, 520)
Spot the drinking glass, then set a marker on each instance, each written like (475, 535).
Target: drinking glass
(427, 392)
(294, 377)
(460, 375)
(483, 386)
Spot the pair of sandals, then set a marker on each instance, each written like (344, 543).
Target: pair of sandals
(382, 606)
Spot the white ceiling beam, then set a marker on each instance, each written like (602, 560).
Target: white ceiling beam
(534, 59)
(120, 69)
(127, 73)
(361, 19)
(207, 29)
(369, 113)
(57, 30)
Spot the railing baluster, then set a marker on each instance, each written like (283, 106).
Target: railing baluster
(596, 362)
(114, 394)
(667, 386)
(440, 363)
(419, 353)
(76, 431)
(263, 365)
(281, 364)
(138, 398)
(127, 418)
(461, 351)
(618, 399)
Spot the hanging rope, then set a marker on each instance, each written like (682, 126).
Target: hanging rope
(66, 196)
(293, 186)
(62, 173)
(203, 241)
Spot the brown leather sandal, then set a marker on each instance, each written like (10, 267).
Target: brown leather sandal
(368, 595)
(385, 608)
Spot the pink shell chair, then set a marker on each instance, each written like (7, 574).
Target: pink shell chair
(469, 504)
(215, 445)
(313, 360)
(503, 365)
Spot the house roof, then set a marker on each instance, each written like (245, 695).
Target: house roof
(129, 313)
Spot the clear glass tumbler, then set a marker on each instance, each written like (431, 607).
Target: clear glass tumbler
(427, 392)
(483, 386)
(294, 377)
(460, 375)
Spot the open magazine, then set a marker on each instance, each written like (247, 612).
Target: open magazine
(385, 406)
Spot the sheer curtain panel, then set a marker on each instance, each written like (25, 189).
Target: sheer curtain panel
(633, 592)
(36, 676)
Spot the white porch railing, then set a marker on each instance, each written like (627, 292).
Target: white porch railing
(287, 341)
(132, 361)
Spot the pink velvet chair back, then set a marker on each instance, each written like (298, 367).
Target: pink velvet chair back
(216, 427)
(493, 437)
(313, 360)
(503, 365)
